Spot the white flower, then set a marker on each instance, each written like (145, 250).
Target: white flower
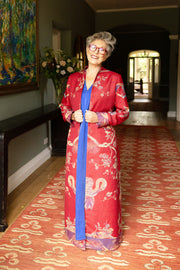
(44, 63)
(62, 63)
(69, 60)
(70, 69)
(63, 72)
(57, 70)
(58, 66)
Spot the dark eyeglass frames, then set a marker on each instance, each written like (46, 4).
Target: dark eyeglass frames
(101, 50)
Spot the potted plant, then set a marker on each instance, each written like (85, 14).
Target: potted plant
(57, 65)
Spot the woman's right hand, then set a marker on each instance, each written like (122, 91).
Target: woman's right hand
(77, 116)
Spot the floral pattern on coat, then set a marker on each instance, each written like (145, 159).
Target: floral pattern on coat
(102, 197)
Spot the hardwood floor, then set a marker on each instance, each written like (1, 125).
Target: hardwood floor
(24, 194)
(155, 119)
(20, 198)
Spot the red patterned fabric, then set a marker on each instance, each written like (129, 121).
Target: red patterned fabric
(102, 198)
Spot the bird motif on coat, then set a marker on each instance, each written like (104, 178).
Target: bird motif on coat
(91, 191)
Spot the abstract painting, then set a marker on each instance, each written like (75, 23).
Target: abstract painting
(19, 57)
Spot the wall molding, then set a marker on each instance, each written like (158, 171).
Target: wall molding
(26, 170)
(135, 9)
(173, 37)
(171, 114)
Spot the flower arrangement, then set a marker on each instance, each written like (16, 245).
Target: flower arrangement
(57, 65)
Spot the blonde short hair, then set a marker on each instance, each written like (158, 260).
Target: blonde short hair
(107, 37)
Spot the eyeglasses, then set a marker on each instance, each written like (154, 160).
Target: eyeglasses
(101, 50)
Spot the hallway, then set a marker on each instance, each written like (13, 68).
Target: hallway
(20, 198)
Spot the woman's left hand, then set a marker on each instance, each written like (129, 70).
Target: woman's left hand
(91, 117)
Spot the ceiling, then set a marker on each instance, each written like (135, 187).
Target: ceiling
(112, 5)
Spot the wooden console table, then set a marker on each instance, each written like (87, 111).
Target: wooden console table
(9, 129)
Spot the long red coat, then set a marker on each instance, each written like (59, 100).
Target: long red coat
(102, 197)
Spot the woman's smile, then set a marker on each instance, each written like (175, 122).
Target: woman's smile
(94, 56)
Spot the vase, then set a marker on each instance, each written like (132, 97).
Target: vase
(59, 94)
(60, 87)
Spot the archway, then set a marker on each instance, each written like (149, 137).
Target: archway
(144, 74)
(138, 37)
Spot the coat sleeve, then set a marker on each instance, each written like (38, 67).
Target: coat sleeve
(65, 105)
(121, 112)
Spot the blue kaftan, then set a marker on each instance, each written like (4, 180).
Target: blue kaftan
(81, 166)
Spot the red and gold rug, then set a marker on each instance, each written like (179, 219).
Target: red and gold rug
(150, 169)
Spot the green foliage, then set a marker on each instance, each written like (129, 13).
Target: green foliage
(57, 65)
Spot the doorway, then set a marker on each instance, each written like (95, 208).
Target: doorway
(144, 74)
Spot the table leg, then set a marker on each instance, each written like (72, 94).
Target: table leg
(3, 182)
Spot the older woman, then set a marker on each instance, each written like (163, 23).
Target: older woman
(93, 103)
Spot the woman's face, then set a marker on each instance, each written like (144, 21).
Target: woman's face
(96, 52)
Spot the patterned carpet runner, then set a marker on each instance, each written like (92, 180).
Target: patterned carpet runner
(150, 172)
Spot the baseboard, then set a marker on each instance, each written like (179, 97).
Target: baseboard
(21, 174)
(171, 114)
